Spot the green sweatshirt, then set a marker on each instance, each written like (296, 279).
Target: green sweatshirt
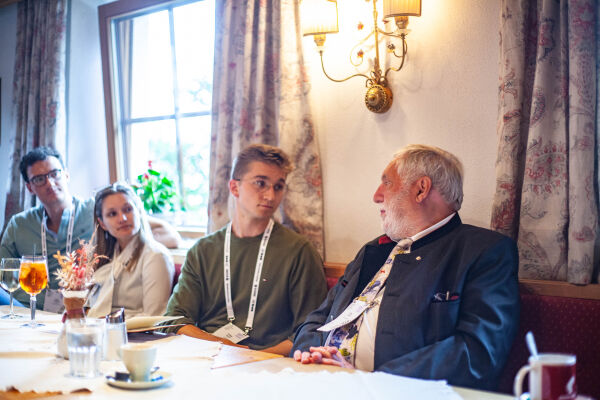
(292, 285)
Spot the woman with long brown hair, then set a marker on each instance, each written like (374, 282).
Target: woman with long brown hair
(137, 271)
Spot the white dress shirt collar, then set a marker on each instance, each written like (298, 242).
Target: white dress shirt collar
(432, 228)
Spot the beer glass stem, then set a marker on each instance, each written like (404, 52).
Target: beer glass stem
(33, 307)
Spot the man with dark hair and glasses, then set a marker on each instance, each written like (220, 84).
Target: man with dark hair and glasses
(253, 282)
(56, 224)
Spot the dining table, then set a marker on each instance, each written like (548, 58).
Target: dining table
(194, 368)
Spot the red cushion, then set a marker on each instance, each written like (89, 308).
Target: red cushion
(177, 273)
(559, 325)
(331, 282)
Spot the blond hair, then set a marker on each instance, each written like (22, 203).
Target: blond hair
(263, 153)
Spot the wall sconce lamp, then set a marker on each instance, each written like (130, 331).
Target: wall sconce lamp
(320, 17)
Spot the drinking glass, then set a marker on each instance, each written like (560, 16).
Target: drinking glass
(85, 343)
(9, 280)
(33, 277)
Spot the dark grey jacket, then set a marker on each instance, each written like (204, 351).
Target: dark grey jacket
(465, 339)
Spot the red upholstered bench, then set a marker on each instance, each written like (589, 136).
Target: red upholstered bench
(177, 273)
(560, 325)
(331, 282)
(333, 271)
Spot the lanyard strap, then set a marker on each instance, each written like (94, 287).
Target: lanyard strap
(69, 232)
(366, 299)
(255, 282)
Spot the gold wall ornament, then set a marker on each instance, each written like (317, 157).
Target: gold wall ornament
(379, 98)
(320, 17)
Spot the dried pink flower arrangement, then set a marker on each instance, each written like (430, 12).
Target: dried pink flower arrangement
(78, 267)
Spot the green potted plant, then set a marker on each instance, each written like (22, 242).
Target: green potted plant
(156, 191)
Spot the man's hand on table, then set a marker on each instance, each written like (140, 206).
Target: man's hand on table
(194, 331)
(328, 355)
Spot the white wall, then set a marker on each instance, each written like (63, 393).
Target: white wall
(446, 95)
(8, 41)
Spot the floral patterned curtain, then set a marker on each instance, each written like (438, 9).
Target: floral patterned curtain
(260, 94)
(546, 189)
(39, 89)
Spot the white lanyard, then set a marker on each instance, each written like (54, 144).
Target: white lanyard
(69, 232)
(255, 282)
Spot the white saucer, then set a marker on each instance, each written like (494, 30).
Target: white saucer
(166, 377)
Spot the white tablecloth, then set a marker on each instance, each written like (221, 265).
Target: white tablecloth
(28, 362)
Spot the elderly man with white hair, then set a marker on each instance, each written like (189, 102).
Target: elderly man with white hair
(433, 298)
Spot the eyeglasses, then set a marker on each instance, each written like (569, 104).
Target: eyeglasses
(262, 185)
(40, 180)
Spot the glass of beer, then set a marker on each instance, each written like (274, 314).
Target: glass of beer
(33, 277)
(9, 280)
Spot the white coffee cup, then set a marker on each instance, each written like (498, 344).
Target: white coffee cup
(138, 359)
(551, 377)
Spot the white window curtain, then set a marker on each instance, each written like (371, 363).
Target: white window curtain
(260, 96)
(39, 90)
(546, 172)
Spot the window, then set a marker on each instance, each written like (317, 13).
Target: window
(160, 76)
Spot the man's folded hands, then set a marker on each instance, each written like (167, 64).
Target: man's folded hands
(328, 355)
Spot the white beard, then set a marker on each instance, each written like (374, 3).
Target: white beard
(396, 223)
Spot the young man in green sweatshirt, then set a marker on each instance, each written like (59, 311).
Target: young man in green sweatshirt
(253, 282)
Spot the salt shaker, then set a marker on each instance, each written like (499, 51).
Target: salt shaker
(116, 334)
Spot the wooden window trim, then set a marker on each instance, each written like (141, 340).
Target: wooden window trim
(106, 13)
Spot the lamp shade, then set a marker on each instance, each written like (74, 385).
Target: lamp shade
(397, 8)
(319, 17)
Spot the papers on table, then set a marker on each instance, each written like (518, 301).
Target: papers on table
(28, 364)
(190, 362)
(229, 356)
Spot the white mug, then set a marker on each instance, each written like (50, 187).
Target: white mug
(138, 359)
(551, 377)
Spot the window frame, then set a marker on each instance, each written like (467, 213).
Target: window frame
(107, 14)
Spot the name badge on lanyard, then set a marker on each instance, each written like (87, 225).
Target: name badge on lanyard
(230, 331)
(353, 311)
